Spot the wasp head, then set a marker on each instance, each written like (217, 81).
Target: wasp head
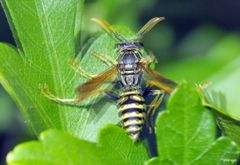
(131, 46)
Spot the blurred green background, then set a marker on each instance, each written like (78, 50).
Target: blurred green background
(199, 41)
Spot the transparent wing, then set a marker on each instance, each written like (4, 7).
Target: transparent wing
(166, 84)
(85, 90)
(109, 29)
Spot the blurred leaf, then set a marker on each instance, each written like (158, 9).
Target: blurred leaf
(227, 81)
(160, 41)
(219, 65)
(199, 41)
(55, 147)
(6, 111)
(112, 12)
(186, 132)
(198, 69)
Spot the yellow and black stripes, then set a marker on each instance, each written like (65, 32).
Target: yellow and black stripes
(132, 112)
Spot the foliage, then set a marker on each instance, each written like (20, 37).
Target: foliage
(218, 65)
(47, 35)
(60, 148)
(186, 134)
(228, 124)
(45, 45)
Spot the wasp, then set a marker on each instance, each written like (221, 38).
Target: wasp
(130, 69)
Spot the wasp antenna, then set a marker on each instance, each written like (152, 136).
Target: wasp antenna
(109, 29)
(148, 26)
(103, 24)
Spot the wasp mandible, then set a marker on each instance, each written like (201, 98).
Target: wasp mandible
(130, 69)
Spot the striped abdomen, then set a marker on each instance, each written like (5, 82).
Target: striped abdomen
(132, 112)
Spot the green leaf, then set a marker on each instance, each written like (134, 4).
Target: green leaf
(55, 147)
(157, 161)
(44, 31)
(229, 124)
(78, 25)
(226, 81)
(45, 45)
(186, 132)
(230, 128)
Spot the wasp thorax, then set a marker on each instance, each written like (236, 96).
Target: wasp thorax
(130, 72)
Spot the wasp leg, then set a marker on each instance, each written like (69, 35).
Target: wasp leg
(203, 86)
(75, 65)
(74, 101)
(109, 61)
(160, 85)
(152, 107)
(149, 59)
(45, 91)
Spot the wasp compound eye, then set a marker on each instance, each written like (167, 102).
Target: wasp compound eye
(141, 45)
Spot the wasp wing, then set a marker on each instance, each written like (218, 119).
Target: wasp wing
(166, 84)
(109, 29)
(85, 90)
